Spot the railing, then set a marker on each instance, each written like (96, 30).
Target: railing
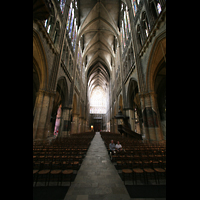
(131, 133)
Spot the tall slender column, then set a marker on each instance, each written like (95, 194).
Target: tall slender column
(42, 117)
(64, 125)
(80, 125)
(131, 119)
(145, 132)
(156, 117)
(150, 118)
(74, 128)
(48, 127)
(37, 110)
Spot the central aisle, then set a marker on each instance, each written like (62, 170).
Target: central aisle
(97, 178)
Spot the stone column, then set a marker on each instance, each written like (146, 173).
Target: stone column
(37, 110)
(41, 113)
(145, 132)
(112, 125)
(158, 130)
(84, 125)
(64, 125)
(115, 125)
(48, 123)
(74, 128)
(131, 119)
(149, 117)
(80, 127)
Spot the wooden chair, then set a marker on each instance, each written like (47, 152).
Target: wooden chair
(43, 172)
(159, 171)
(126, 170)
(148, 170)
(137, 170)
(36, 168)
(55, 173)
(66, 172)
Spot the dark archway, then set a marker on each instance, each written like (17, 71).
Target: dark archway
(160, 89)
(134, 106)
(36, 85)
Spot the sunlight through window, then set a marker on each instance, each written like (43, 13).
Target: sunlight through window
(98, 101)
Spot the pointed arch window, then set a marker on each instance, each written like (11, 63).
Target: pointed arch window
(123, 35)
(72, 23)
(127, 15)
(134, 5)
(159, 8)
(74, 42)
(73, 33)
(125, 25)
(139, 36)
(98, 101)
(62, 5)
(69, 16)
(145, 23)
(155, 7)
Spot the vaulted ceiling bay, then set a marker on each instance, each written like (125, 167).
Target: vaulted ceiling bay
(99, 35)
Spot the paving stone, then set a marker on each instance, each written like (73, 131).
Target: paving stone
(97, 177)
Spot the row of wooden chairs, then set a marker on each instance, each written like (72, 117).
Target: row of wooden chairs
(52, 171)
(138, 158)
(58, 160)
(130, 141)
(146, 169)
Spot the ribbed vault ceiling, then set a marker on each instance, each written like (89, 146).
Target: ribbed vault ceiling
(98, 32)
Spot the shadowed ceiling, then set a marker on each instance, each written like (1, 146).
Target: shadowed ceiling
(99, 34)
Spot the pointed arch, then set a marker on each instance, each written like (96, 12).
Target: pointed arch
(40, 61)
(132, 87)
(63, 90)
(158, 52)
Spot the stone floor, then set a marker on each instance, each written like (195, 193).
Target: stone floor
(97, 178)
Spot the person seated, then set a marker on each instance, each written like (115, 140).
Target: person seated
(111, 147)
(118, 146)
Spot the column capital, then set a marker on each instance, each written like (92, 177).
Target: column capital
(46, 92)
(66, 108)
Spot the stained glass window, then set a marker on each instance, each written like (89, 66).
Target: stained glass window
(75, 39)
(62, 5)
(147, 33)
(123, 35)
(73, 31)
(126, 25)
(134, 5)
(48, 28)
(68, 20)
(71, 24)
(127, 14)
(45, 24)
(159, 8)
(98, 101)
